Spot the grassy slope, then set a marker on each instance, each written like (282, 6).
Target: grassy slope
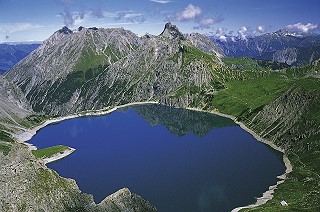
(244, 99)
(49, 152)
(253, 89)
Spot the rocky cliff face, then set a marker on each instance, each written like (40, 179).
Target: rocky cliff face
(205, 44)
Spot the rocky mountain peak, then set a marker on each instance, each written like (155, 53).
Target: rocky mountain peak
(65, 30)
(80, 28)
(284, 32)
(172, 32)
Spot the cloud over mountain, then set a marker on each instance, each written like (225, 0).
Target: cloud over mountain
(261, 28)
(305, 28)
(191, 12)
(242, 33)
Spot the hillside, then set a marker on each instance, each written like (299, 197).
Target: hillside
(91, 69)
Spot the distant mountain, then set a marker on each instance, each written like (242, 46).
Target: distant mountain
(12, 53)
(281, 46)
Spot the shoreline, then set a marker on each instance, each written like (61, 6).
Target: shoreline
(267, 195)
(29, 133)
(59, 156)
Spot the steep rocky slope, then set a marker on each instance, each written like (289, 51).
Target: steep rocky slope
(14, 108)
(95, 68)
(67, 54)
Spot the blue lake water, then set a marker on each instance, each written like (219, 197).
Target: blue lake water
(179, 160)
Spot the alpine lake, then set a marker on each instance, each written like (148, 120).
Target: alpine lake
(178, 159)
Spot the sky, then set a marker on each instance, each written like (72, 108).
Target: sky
(36, 20)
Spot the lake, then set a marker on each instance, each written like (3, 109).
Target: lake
(179, 160)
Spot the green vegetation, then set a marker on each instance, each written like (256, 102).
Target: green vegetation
(250, 64)
(67, 87)
(90, 60)
(49, 152)
(5, 142)
(282, 106)
(5, 137)
(191, 53)
(5, 148)
(295, 126)
(250, 94)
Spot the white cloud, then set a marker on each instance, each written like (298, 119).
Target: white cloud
(243, 33)
(305, 28)
(161, 1)
(130, 16)
(19, 27)
(220, 34)
(261, 29)
(207, 21)
(189, 13)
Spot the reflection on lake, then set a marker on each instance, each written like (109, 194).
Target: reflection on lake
(179, 160)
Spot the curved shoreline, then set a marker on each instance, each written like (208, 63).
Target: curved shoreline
(29, 133)
(267, 195)
(59, 156)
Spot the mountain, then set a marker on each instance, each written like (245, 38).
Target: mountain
(12, 53)
(281, 46)
(95, 68)
(74, 71)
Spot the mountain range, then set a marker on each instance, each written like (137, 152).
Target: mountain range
(89, 69)
(12, 53)
(280, 46)
(95, 68)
